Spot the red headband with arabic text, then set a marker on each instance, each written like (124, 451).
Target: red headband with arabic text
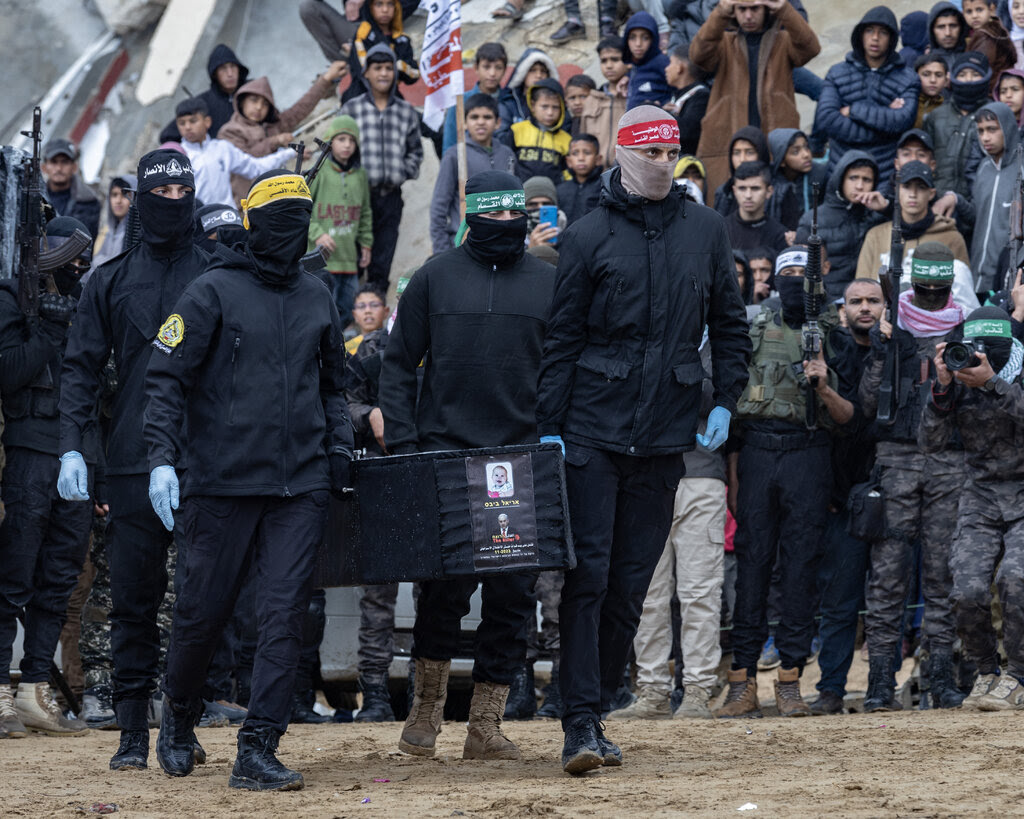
(649, 133)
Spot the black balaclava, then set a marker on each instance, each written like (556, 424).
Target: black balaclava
(492, 241)
(997, 348)
(970, 96)
(791, 294)
(932, 272)
(278, 224)
(57, 232)
(166, 223)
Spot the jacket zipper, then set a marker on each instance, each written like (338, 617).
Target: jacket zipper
(234, 369)
(490, 288)
(285, 403)
(991, 208)
(650, 328)
(700, 302)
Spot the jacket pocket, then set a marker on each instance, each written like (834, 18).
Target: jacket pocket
(234, 376)
(612, 369)
(689, 375)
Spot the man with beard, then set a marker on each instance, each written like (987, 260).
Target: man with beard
(920, 488)
(639, 279)
(844, 559)
(250, 362)
(779, 485)
(43, 538)
(985, 405)
(121, 309)
(478, 309)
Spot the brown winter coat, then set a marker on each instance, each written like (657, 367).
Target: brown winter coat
(600, 117)
(255, 137)
(878, 239)
(788, 42)
(993, 41)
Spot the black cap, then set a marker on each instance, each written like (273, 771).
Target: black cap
(165, 166)
(917, 170)
(918, 134)
(214, 217)
(59, 145)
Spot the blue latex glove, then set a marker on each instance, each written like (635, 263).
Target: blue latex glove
(163, 494)
(73, 481)
(717, 432)
(553, 439)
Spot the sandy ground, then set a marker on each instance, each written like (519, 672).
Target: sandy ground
(922, 763)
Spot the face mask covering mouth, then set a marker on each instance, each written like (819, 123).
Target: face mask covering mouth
(164, 221)
(277, 239)
(645, 177)
(791, 294)
(499, 242)
(931, 298)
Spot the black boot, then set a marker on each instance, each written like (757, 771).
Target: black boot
(881, 693)
(256, 766)
(945, 693)
(552, 707)
(376, 699)
(134, 748)
(302, 710)
(522, 697)
(198, 751)
(176, 742)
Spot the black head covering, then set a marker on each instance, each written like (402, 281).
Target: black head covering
(491, 241)
(277, 235)
(166, 223)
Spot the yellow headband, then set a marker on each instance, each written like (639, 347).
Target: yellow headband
(274, 189)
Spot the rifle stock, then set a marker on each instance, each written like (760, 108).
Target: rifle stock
(888, 391)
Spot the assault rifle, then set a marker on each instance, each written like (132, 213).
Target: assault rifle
(889, 390)
(814, 302)
(31, 220)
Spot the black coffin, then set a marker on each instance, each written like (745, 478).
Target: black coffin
(448, 514)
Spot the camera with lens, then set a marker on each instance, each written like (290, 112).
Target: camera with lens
(962, 355)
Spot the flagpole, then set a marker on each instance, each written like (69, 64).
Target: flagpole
(460, 125)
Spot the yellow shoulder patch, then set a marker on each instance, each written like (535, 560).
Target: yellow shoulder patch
(170, 334)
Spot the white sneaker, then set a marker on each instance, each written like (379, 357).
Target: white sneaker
(1008, 695)
(982, 685)
(39, 712)
(694, 704)
(651, 703)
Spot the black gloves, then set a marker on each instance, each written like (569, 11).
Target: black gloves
(56, 308)
(340, 475)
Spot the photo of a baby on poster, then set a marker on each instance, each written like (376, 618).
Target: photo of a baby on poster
(499, 480)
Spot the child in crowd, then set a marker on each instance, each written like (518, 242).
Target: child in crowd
(604, 107)
(794, 174)
(258, 127)
(513, 107)
(692, 169)
(989, 37)
(689, 97)
(369, 313)
(112, 235)
(748, 144)
(933, 72)
(342, 220)
(977, 13)
(215, 160)
(750, 225)
(1011, 15)
(381, 22)
(992, 192)
(483, 153)
(577, 89)
(761, 261)
(540, 143)
(647, 83)
(540, 191)
(490, 63)
(581, 194)
(1010, 90)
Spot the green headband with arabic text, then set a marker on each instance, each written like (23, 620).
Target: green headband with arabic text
(987, 328)
(490, 201)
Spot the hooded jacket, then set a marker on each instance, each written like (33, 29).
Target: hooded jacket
(993, 194)
(256, 379)
(647, 83)
(957, 151)
(602, 111)
(725, 201)
(993, 41)
(622, 369)
(390, 147)
(218, 102)
(539, 150)
(255, 137)
(842, 225)
(370, 34)
(122, 307)
(937, 10)
(791, 198)
(111, 238)
(720, 48)
(341, 204)
(512, 107)
(913, 35)
(484, 328)
(1003, 9)
(445, 216)
(872, 125)
(1009, 72)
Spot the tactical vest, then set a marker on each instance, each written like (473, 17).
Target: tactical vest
(777, 386)
(38, 400)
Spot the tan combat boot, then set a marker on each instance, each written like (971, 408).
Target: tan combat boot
(787, 694)
(427, 713)
(694, 704)
(651, 703)
(485, 740)
(741, 701)
(10, 725)
(39, 712)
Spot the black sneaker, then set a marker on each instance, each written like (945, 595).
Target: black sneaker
(828, 702)
(175, 744)
(581, 751)
(256, 766)
(609, 750)
(570, 30)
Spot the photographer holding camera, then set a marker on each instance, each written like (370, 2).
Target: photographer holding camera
(978, 394)
(921, 489)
